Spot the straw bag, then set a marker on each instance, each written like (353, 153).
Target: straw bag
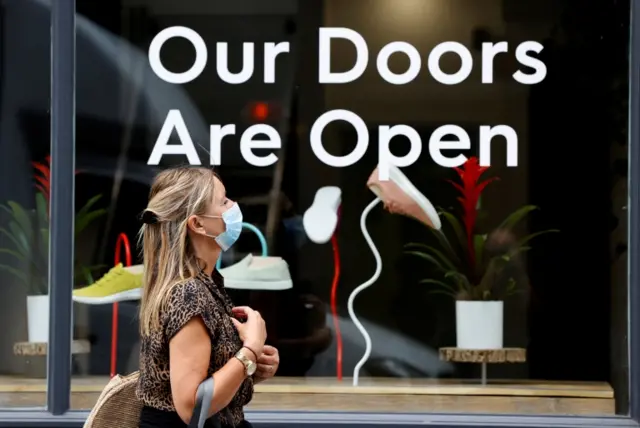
(119, 407)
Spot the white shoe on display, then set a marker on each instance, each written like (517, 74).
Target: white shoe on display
(400, 196)
(321, 219)
(258, 273)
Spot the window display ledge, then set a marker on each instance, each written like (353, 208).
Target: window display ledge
(385, 395)
(40, 419)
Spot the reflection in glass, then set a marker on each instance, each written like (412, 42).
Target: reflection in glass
(24, 190)
(567, 289)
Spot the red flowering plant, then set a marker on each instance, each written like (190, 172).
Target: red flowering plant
(475, 263)
(27, 232)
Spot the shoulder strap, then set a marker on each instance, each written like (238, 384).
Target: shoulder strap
(203, 404)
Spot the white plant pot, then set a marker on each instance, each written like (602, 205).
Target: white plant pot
(38, 318)
(479, 324)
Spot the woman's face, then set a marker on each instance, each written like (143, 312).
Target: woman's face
(213, 223)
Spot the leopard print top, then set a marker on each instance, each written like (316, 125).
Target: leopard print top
(202, 296)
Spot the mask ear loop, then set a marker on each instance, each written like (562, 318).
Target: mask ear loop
(207, 234)
(261, 238)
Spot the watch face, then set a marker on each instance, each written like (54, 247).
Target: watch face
(251, 368)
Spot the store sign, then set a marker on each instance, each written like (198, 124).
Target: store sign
(441, 142)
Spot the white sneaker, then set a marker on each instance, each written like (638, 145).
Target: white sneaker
(258, 273)
(321, 219)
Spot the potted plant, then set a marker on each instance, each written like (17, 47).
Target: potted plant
(27, 233)
(475, 269)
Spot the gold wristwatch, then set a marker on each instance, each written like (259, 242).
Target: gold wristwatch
(249, 365)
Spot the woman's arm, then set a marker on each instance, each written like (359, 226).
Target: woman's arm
(189, 356)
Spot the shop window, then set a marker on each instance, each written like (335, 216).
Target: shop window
(551, 310)
(24, 194)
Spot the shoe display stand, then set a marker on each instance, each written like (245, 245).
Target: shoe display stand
(122, 242)
(34, 349)
(334, 304)
(399, 196)
(34, 356)
(484, 357)
(321, 222)
(352, 297)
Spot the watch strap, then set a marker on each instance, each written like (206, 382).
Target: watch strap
(246, 362)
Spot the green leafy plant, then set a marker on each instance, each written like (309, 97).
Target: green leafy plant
(471, 265)
(27, 232)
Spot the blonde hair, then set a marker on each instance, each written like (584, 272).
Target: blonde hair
(169, 257)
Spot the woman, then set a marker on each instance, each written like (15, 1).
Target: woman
(189, 327)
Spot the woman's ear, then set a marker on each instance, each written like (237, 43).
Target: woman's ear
(195, 225)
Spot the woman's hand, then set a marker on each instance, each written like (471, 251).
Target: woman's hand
(268, 363)
(253, 331)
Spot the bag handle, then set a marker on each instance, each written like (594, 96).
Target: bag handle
(204, 395)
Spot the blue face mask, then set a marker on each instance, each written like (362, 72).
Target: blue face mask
(233, 227)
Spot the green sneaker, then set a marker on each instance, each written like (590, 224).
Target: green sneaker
(117, 285)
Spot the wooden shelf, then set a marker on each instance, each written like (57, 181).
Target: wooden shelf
(488, 356)
(381, 394)
(37, 349)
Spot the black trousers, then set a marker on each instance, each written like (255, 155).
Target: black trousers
(155, 418)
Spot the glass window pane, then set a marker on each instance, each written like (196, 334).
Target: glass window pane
(24, 225)
(530, 269)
